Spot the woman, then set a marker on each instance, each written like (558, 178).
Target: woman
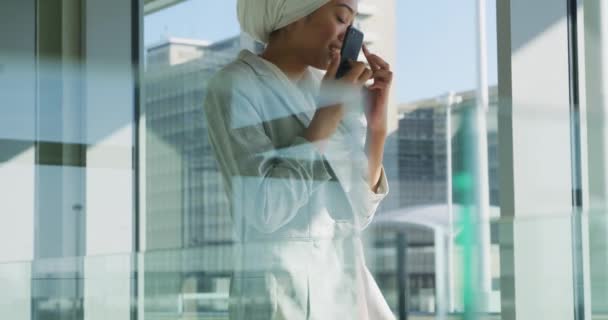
(303, 173)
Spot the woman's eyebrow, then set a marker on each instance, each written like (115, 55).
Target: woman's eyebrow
(352, 11)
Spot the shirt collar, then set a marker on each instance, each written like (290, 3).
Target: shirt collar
(259, 65)
(262, 67)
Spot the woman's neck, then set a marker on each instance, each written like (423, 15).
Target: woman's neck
(288, 63)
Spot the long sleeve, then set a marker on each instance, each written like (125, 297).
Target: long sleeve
(351, 168)
(268, 184)
(374, 200)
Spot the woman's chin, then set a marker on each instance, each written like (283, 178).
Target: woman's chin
(323, 65)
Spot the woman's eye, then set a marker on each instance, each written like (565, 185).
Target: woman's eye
(341, 20)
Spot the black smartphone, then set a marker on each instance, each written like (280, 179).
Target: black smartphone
(353, 42)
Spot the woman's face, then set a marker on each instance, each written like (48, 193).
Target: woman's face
(316, 36)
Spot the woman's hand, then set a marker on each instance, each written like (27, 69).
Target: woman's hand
(326, 118)
(339, 91)
(379, 93)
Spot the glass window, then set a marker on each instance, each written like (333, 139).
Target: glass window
(157, 162)
(66, 167)
(195, 40)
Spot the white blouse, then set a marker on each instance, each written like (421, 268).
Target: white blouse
(298, 214)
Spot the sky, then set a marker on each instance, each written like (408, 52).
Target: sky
(436, 40)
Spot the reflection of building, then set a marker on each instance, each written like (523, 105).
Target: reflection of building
(188, 228)
(422, 149)
(186, 205)
(419, 262)
(176, 51)
(421, 158)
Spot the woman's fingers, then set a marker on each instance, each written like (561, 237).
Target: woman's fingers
(375, 61)
(383, 75)
(365, 50)
(367, 55)
(334, 64)
(356, 71)
(379, 62)
(382, 79)
(366, 75)
(360, 73)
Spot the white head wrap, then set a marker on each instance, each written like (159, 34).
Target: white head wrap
(259, 18)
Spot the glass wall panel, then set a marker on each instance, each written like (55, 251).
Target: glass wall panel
(66, 169)
(188, 232)
(593, 46)
(415, 258)
(144, 174)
